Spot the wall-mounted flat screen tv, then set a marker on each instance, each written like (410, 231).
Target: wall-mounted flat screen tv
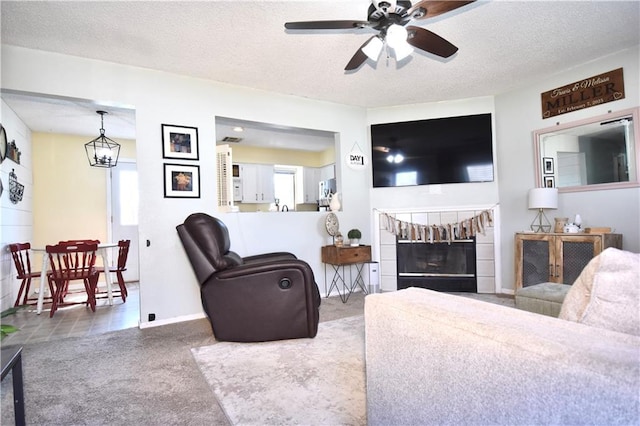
(434, 151)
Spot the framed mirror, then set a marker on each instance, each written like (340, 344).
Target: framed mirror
(592, 154)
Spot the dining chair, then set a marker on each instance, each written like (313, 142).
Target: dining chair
(75, 242)
(121, 266)
(22, 261)
(70, 262)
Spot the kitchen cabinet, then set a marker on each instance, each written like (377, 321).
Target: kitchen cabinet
(257, 183)
(557, 257)
(310, 183)
(327, 172)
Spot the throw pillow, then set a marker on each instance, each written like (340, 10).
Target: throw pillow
(614, 293)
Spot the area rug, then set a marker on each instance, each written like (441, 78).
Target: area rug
(318, 381)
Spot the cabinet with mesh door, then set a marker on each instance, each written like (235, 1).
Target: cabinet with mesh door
(557, 258)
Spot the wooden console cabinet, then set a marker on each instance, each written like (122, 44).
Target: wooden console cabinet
(557, 258)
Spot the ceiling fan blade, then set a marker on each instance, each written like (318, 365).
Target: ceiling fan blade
(359, 58)
(325, 25)
(430, 42)
(436, 7)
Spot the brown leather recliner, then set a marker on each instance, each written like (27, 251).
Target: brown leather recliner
(252, 299)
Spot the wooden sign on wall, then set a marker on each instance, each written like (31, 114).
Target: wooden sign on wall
(586, 93)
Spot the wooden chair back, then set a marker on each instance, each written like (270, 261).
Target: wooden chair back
(20, 254)
(22, 261)
(123, 253)
(73, 262)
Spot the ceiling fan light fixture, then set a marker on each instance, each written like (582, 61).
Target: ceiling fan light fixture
(373, 48)
(395, 158)
(396, 36)
(402, 51)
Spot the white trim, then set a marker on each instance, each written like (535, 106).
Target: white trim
(174, 320)
(436, 209)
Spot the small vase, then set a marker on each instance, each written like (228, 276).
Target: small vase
(334, 202)
(560, 223)
(354, 243)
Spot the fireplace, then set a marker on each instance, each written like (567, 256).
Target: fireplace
(440, 266)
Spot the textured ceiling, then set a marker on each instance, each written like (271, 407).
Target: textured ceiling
(503, 44)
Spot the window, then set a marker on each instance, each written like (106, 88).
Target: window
(284, 182)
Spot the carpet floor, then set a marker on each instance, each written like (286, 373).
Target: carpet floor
(132, 376)
(318, 381)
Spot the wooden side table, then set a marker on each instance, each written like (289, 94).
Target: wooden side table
(12, 361)
(338, 258)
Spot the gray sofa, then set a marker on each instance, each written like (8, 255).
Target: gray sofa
(434, 358)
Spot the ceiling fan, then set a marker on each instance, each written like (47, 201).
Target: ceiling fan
(390, 17)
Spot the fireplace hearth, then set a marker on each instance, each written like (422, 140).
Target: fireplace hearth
(440, 266)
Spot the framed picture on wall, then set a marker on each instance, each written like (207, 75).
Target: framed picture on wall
(181, 181)
(179, 142)
(547, 165)
(549, 182)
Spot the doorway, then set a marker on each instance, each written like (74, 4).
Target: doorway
(124, 212)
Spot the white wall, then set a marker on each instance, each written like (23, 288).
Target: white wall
(168, 287)
(518, 114)
(16, 220)
(167, 284)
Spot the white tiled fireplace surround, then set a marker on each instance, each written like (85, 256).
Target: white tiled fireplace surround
(486, 264)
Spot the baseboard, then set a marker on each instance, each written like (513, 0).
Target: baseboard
(174, 320)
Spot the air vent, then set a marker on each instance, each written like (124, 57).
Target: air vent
(231, 139)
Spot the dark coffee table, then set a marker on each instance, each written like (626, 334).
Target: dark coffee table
(12, 361)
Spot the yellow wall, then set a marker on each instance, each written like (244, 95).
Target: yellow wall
(69, 196)
(287, 157)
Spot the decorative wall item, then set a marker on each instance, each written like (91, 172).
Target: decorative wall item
(3, 143)
(181, 181)
(356, 159)
(179, 142)
(13, 153)
(16, 189)
(586, 93)
(547, 166)
(438, 233)
(549, 182)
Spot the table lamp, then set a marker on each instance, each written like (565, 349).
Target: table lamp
(540, 199)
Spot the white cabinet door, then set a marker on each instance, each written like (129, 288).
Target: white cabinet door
(257, 183)
(328, 172)
(265, 183)
(249, 176)
(311, 179)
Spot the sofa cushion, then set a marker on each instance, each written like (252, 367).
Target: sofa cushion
(607, 293)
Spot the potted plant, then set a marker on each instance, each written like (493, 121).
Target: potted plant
(354, 237)
(6, 329)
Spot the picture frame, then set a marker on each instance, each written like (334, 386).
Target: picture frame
(549, 182)
(179, 142)
(547, 165)
(181, 181)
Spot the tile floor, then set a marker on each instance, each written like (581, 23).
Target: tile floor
(75, 320)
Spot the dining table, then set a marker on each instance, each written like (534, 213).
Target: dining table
(103, 251)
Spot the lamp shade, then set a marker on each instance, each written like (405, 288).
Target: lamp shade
(543, 198)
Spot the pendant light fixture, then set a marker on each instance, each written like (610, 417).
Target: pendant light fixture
(102, 151)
